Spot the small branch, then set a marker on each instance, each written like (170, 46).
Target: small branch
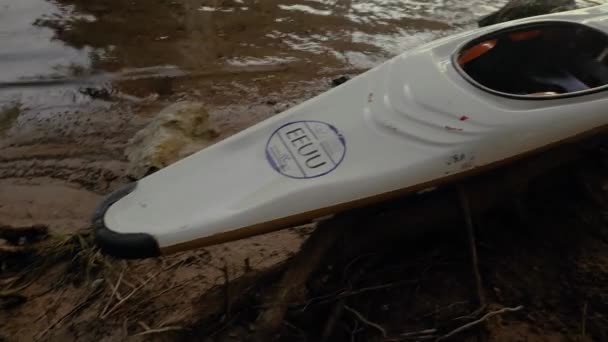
(422, 335)
(120, 302)
(479, 321)
(159, 330)
(366, 321)
(106, 314)
(418, 333)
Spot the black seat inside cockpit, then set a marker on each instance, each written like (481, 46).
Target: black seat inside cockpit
(539, 60)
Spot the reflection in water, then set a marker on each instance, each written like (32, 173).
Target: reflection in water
(195, 34)
(29, 51)
(207, 34)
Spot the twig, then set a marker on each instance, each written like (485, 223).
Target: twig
(159, 330)
(466, 207)
(167, 290)
(338, 308)
(418, 333)
(120, 302)
(138, 288)
(344, 293)
(144, 326)
(69, 313)
(478, 321)
(365, 320)
(114, 290)
(471, 315)
(422, 335)
(295, 328)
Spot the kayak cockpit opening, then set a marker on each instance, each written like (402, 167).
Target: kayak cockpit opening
(541, 60)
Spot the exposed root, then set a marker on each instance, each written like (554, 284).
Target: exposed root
(478, 321)
(366, 321)
(289, 289)
(466, 208)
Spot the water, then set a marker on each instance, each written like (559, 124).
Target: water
(83, 55)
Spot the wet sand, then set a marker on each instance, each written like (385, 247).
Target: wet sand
(78, 79)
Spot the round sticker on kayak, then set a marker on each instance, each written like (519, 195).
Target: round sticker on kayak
(305, 149)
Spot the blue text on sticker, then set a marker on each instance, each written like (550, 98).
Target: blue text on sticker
(305, 149)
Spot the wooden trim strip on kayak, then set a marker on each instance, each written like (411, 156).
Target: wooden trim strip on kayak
(302, 218)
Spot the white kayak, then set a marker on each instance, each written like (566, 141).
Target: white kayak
(432, 115)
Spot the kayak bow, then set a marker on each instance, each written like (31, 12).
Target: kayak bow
(443, 111)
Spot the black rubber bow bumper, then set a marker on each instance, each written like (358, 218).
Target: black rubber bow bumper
(122, 245)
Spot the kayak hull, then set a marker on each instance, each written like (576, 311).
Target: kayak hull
(409, 124)
(138, 245)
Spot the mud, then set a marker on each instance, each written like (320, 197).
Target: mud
(79, 79)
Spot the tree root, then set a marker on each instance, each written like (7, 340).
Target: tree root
(290, 287)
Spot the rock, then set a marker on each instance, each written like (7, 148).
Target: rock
(96, 93)
(518, 9)
(338, 81)
(177, 131)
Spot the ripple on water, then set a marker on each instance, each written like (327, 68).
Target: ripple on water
(52, 49)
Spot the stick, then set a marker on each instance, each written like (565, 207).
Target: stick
(365, 320)
(466, 208)
(478, 321)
